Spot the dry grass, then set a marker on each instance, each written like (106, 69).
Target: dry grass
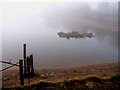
(11, 77)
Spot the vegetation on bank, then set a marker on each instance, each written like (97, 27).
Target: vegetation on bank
(89, 83)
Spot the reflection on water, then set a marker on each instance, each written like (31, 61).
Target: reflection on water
(55, 51)
(48, 49)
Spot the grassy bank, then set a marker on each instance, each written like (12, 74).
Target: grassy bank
(89, 83)
(91, 77)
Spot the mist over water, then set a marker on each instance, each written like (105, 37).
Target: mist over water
(37, 25)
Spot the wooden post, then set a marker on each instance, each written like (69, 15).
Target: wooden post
(21, 73)
(32, 69)
(28, 65)
(24, 57)
(25, 66)
(24, 51)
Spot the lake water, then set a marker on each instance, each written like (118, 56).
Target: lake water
(49, 50)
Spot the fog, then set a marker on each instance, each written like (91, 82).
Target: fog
(100, 18)
(37, 25)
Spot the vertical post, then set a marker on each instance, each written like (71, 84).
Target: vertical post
(28, 65)
(21, 73)
(32, 69)
(24, 52)
(24, 57)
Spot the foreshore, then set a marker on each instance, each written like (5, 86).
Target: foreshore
(59, 74)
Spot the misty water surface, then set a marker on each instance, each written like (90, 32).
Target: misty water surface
(37, 25)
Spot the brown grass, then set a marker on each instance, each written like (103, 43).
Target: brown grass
(11, 77)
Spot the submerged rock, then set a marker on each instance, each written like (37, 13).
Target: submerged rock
(46, 75)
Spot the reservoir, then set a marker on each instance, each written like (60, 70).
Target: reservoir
(38, 25)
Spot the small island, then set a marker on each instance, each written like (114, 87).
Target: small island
(75, 34)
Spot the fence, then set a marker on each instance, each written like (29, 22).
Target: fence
(26, 68)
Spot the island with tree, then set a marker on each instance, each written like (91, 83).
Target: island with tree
(75, 34)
